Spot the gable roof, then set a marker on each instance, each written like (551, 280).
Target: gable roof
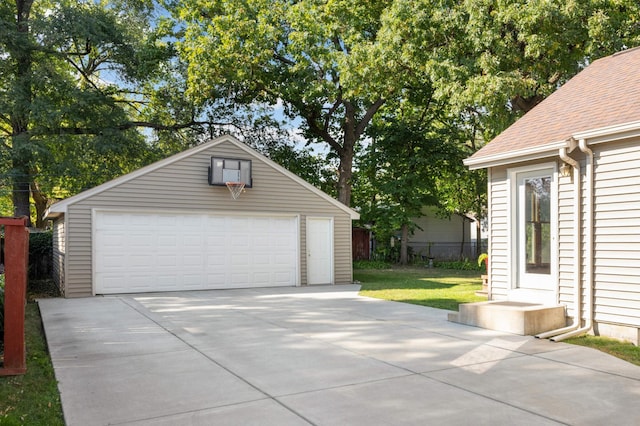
(604, 97)
(61, 206)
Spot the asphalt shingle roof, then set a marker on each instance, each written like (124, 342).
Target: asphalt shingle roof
(606, 93)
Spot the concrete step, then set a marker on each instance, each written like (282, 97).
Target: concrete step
(512, 317)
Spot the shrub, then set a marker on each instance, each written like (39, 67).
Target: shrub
(371, 264)
(40, 254)
(461, 265)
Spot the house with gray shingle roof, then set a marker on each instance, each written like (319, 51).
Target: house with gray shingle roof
(564, 202)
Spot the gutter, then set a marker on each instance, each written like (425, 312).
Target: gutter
(577, 197)
(588, 248)
(533, 153)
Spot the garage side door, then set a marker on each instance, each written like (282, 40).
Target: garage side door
(142, 252)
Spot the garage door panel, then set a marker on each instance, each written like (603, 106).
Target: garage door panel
(282, 277)
(192, 260)
(216, 280)
(239, 279)
(137, 252)
(193, 281)
(215, 261)
(166, 282)
(141, 261)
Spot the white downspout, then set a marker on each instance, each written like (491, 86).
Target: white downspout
(588, 286)
(577, 197)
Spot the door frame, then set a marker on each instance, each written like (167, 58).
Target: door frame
(514, 291)
(330, 235)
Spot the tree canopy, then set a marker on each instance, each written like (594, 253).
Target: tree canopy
(62, 114)
(94, 89)
(322, 60)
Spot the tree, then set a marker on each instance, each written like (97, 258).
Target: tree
(322, 60)
(316, 169)
(91, 90)
(412, 149)
(495, 60)
(51, 57)
(489, 62)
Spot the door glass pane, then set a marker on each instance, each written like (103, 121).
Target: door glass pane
(538, 225)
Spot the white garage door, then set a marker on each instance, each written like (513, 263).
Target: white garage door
(142, 252)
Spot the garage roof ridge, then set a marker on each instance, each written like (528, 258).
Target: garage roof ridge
(60, 207)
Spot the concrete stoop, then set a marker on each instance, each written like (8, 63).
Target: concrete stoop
(525, 319)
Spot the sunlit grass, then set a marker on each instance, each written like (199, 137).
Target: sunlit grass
(437, 288)
(623, 350)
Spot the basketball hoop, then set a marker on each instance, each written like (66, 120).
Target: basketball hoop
(235, 188)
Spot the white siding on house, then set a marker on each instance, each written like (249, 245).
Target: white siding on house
(617, 233)
(499, 233)
(566, 243)
(183, 185)
(58, 253)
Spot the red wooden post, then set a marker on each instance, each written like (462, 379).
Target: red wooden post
(16, 250)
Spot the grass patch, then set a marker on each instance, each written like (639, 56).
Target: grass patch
(623, 350)
(32, 398)
(437, 288)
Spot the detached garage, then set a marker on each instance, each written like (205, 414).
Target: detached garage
(219, 215)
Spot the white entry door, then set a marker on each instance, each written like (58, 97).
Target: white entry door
(319, 250)
(534, 234)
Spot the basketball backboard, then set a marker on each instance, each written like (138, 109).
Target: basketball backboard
(224, 170)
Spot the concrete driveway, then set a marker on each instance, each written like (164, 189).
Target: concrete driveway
(316, 355)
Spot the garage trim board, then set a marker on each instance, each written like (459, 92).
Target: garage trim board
(142, 250)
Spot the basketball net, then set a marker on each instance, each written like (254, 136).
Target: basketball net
(235, 188)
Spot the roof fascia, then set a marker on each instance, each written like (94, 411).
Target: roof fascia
(609, 133)
(535, 153)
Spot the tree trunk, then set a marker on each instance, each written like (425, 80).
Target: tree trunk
(41, 203)
(403, 244)
(345, 172)
(22, 98)
(478, 238)
(464, 225)
(353, 130)
(20, 177)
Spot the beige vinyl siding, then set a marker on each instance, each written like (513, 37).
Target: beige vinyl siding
(183, 186)
(499, 233)
(617, 233)
(59, 252)
(566, 244)
(438, 230)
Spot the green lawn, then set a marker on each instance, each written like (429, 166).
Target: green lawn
(623, 350)
(33, 398)
(438, 288)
